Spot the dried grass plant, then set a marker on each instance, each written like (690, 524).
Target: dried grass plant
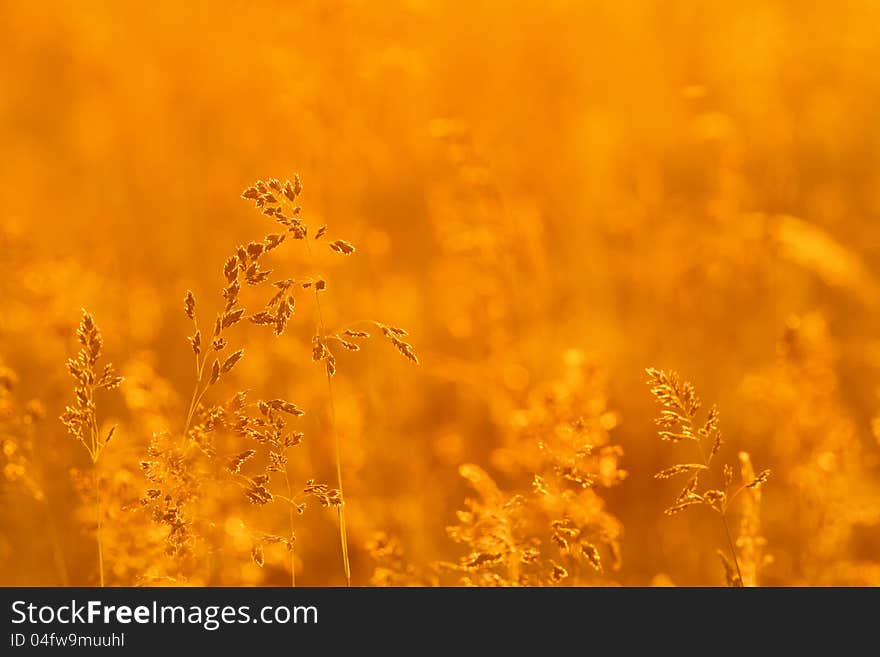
(81, 419)
(682, 185)
(678, 422)
(263, 424)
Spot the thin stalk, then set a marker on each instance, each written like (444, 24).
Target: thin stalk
(735, 495)
(197, 395)
(337, 449)
(723, 514)
(290, 546)
(96, 453)
(732, 547)
(100, 523)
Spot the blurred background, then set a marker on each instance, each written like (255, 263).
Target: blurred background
(549, 196)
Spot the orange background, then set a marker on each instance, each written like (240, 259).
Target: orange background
(549, 196)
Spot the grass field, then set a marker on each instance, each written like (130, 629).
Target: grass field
(438, 293)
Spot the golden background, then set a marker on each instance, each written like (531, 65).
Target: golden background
(549, 196)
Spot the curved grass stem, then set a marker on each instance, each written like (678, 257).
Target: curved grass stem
(337, 449)
(100, 523)
(292, 511)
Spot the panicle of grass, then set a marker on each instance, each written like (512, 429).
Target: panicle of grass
(556, 531)
(80, 419)
(246, 267)
(174, 482)
(680, 406)
(280, 202)
(172, 471)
